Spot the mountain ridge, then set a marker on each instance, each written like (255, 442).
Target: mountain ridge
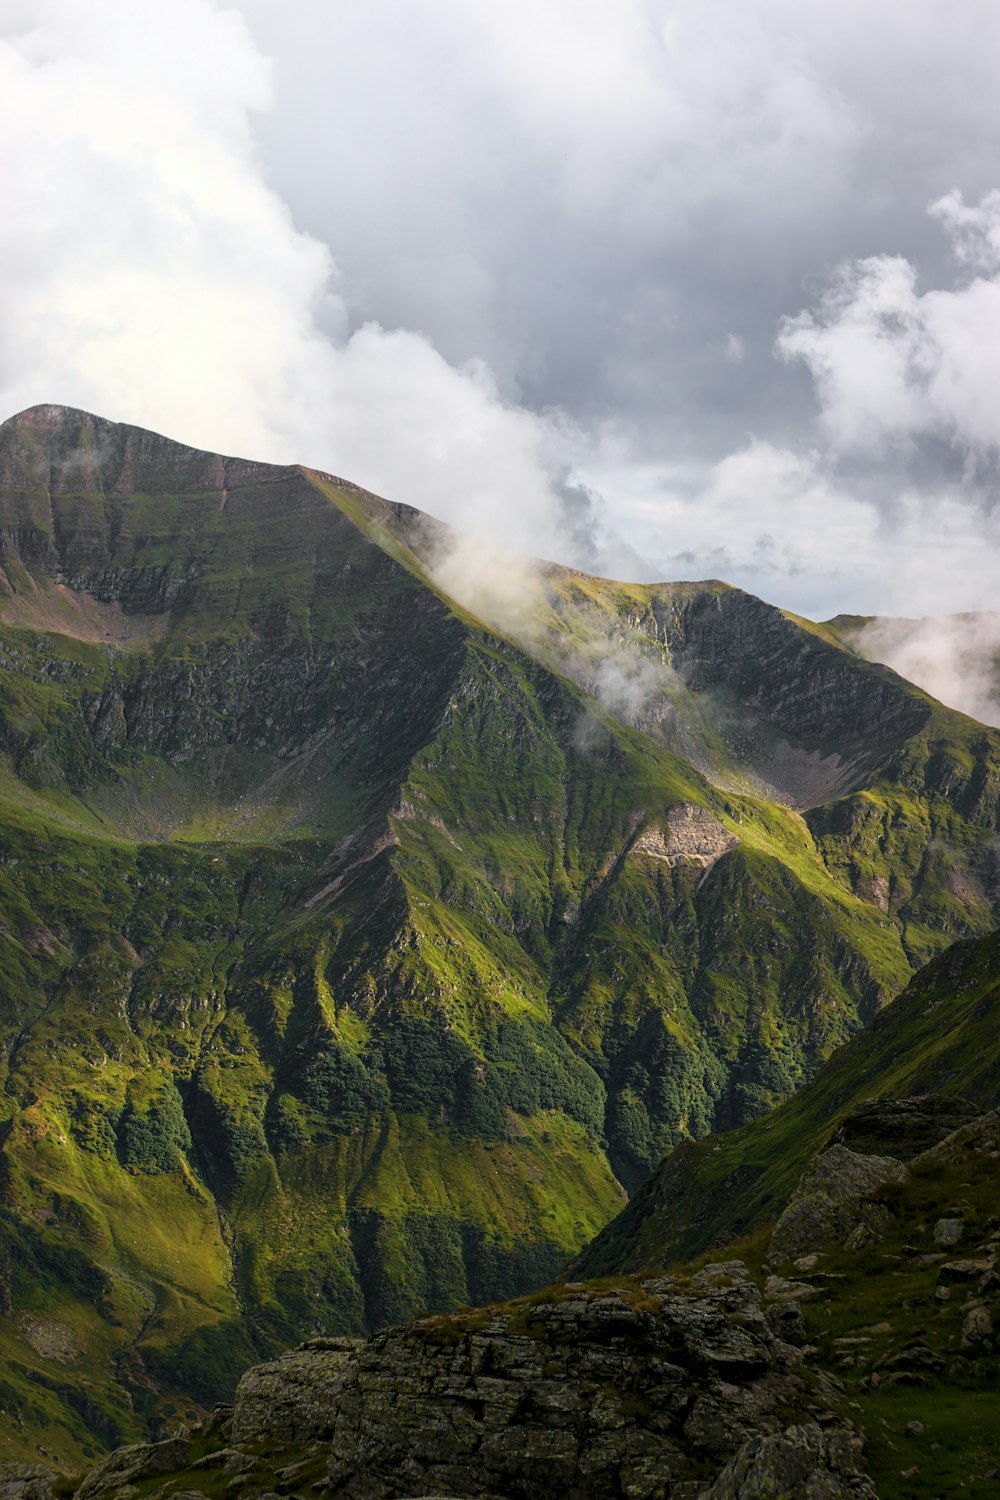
(361, 940)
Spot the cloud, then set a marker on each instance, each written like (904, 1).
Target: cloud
(149, 272)
(892, 363)
(955, 658)
(523, 267)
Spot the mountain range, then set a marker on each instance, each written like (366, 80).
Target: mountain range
(378, 913)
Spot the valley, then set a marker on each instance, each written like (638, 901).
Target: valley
(365, 946)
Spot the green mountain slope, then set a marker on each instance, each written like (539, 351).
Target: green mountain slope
(940, 1036)
(355, 958)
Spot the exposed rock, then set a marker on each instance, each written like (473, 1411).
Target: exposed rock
(128, 1466)
(834, 1204)
(25, 1482)
(980, 1137)
(289, 1400)
(977, 1329)
(948, 1233)
(630, 1391)
(806, 1462)
(786, 1322)
(964, 1270)
(691, 834)
(777, 1288)
(903, 1128)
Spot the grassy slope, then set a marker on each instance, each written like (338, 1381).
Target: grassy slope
(332, 986)
(940, 1035)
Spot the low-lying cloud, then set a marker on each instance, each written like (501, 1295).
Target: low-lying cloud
(955, 658)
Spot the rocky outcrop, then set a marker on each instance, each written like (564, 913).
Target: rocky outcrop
(903, 1128)
(131, 1465)
(290, 1400)
(25, 1482)
(809, 1461)
(839, 1201)
(635, 1390)
(835, 1204)
(670, 1388)
(691, 834)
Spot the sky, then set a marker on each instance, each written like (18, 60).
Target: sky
(661, 290)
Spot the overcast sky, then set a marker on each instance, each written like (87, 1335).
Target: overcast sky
(659, 289)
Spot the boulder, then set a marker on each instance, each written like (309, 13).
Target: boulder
(127, 1466)
(807, 1462)
(977, 1328)
(834, 1204)
(291, 1399)
(25, 1482)
(903, 1128)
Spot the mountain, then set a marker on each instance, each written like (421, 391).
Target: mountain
(942, 1035)
(364, 941)
(849, 1352)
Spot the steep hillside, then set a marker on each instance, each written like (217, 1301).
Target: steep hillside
(356, 956)
(941, 1035)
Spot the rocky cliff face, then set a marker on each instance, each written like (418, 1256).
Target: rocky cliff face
(355, 960)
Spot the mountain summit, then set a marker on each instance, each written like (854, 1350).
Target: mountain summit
(362, 948)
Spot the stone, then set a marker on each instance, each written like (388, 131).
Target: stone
(291, 1399)
(904, 1128)
(977, 1328)
(627, 1392)
(915, 1429)
(834, 1203)
(25, 1481)
(779, 1287)
(786, 1322)
(217, 1422)
(948, 1233)
(126, 1467)
(963, 1270)
(823, 1463)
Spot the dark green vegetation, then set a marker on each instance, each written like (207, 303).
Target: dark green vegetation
(941, 1035)
(352, 956)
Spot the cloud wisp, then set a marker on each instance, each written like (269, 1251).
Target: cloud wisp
(955, 658)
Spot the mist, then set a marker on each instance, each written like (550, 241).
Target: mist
(955, 658)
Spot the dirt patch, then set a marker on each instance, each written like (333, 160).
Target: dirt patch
(54, 609)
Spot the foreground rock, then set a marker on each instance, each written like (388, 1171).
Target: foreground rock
(806, 1461)
(290, 1400)
(641, 1391)
(127, 1467)
(25, 1482)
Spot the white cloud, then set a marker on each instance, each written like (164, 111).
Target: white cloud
(892, 363)
(531, 232)
(148, 272)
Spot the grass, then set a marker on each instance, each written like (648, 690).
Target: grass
(313, 808)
